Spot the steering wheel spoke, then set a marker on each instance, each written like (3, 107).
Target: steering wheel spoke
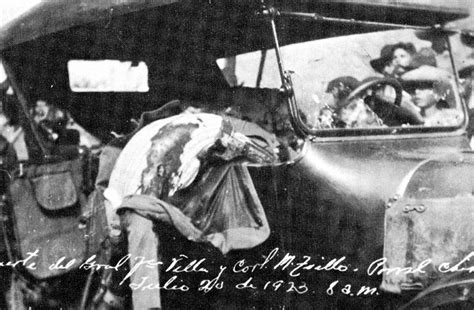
(390, 110)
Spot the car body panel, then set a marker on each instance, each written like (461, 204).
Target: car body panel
(340, 189)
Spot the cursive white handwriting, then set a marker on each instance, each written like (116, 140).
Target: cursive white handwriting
(379, 267)
(26, 262)
(288, 260)
(168, 286)
(445, 267)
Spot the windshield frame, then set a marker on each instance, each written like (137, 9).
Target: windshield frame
(395, 130)
(287, 87)
(307, 131)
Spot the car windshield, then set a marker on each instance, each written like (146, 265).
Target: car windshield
(371, 82)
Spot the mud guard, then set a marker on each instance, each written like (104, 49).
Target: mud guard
(429, 236)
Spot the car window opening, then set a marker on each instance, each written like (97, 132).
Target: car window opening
(376, 82)
(107, 76)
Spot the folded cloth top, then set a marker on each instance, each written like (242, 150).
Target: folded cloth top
(165, 157)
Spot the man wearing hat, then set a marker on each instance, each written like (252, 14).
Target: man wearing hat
(353, 114)
(432, 93)
(395, 59)
(339, 88)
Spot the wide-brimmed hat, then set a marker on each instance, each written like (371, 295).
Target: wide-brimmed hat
(428, 77)
(349, 82)
(345, 85)
(426, 73)
(386, 54)
(407, 46)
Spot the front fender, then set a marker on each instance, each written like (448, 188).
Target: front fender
(429, 225)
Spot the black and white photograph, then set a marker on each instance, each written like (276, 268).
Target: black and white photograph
(246, 154)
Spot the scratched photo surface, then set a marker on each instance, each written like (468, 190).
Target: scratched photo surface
(236, 154)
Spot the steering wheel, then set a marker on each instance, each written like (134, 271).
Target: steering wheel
(376, 82)
(391, 111)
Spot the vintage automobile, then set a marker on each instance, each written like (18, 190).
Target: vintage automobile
(369, 198)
